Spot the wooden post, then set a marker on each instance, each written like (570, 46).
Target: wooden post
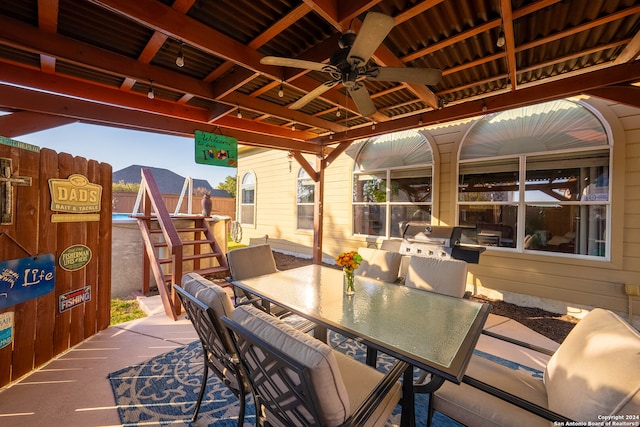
(318, 219)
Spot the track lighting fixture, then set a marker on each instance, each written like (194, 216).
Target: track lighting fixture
(501, 40)
(281, 90)
(180, 58)
(151, 94)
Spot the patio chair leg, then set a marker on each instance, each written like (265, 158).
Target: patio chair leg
(205, 375)
(430, 410)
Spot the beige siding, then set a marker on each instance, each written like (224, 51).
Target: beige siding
(555, 282)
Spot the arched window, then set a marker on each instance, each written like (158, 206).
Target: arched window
(248, 199)
(305, 192)
(537, 179)
(392, 184)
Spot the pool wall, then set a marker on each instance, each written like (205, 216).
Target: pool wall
(127, 253)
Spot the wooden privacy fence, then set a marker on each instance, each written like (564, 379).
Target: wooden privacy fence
(124, 202)
(34, 331)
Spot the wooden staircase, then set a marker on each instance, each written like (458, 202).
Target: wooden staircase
(174, 245)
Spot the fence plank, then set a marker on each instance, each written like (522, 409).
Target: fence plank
(47, 244)
(104, 266)
(26, 222)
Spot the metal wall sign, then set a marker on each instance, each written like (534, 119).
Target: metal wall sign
(24, 279)
(6, 328)
(74, 257)
(216, 150)
(71, 299)
(75, 195)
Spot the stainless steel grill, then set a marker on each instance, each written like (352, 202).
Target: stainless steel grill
(422, 239)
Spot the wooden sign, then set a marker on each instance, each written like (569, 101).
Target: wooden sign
(75, 195)
(24, 279)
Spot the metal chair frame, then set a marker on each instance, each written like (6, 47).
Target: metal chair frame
(282, 387)
(211, 332)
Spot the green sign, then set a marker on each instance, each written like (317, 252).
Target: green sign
(216, 150)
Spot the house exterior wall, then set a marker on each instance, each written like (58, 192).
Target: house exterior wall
(560, 284)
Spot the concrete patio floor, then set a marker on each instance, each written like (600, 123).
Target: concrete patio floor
(73, 389)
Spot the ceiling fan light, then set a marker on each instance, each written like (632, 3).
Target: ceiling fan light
(501, 40)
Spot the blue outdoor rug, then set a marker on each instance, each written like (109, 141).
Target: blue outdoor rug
(164, 389)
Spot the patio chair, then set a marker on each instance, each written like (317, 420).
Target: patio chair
(442, 275)
(252, 261)
(379, 264)
(297, 380)
(593, 374)
(205, 303)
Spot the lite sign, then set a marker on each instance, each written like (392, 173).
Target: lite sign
(24, 279)
(216, 150)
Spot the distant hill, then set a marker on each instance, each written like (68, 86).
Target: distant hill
(168, 182)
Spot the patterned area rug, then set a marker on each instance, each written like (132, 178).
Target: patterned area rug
(164, 389)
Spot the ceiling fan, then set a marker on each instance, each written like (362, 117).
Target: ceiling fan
(350, 64)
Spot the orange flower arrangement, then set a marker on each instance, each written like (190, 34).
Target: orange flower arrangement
(349, 260)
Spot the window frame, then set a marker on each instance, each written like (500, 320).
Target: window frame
(305, 176)
(522, 203)
(243, 205)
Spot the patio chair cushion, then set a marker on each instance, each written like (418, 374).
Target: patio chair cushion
(474, 407)
(318, 356)
(595, 371)
(213, 296)
(251, 261)
(379, 264)
(442, 275)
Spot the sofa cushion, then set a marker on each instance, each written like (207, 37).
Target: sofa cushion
(379, 264)
(442, 275)
(307, 350)
(596, 370)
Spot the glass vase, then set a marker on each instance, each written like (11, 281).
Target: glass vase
(348, 281)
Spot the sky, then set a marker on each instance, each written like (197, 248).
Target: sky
(121, 148)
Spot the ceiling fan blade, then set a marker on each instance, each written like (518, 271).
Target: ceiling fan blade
(310, 96)
(374, 30)
(426, 76)
(296, 63)
(361, 97)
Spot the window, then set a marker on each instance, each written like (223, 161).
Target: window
(392, 184)
(305, 201)
(537, 179)
(247, 199)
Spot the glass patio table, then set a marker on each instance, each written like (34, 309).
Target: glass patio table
(433, 332)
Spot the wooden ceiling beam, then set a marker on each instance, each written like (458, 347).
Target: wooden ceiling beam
(24, 122)
(624, 94)
(131, 101)
(22, 36)
(115, 116)
(510, 44)
(259, 105)
(561, 88)
(631, 51)
(350, 10)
